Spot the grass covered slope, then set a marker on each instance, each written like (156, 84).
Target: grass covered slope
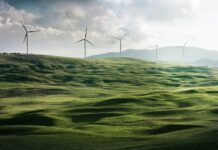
(62, 103)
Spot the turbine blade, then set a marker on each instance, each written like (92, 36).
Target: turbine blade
(25, 38)
(80, 40)
(34, 31)
(150, 47)
(90, 42)
(23, 26)
(124, 36)
(185, 43)
(86, 32)
(116, 38)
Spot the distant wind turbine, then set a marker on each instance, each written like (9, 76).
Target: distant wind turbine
(156, 51)
(85, 40)
(26, 37)
(183, 50)
(120, 40)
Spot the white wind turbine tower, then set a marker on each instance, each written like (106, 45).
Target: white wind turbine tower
(120, 40)
(85, 40)
(156, 51)
(26, 37)
(183, 50)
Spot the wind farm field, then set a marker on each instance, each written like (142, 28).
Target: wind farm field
(54, 103)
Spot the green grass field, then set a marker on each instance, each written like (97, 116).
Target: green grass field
(55, 103)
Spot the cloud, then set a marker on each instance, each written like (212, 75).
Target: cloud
(64, 21)
(169, 10)
(11, 32)
(118, 2)
(9, 14)
(158, 10)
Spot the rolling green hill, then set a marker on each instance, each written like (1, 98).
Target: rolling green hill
(112, 104)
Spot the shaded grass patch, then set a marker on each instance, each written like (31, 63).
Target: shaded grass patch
(29, 119)
(172, 128)
(93, 117)
(118, 101)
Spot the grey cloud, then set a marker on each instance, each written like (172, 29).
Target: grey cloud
(158, 10)
(67, 19)
(168, 10)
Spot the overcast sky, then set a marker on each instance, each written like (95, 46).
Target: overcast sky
(147, 22)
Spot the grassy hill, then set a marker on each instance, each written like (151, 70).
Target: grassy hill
(93, 104)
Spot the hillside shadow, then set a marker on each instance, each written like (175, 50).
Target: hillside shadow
(166, 112)
(30, 92)
(96, 110)
(118, 101)
(92, 117)
(191, 91)
(29, 118)
(18, 78)
(214, 111)
(183, 104)
(172, 128)
(190, 69)
(17, 130)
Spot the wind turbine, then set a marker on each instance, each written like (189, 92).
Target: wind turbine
(183, 50)
(26, 37)
(85, 40)
(120, 40)
(156, 50)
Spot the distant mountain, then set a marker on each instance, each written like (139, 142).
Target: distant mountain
(173, 53)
